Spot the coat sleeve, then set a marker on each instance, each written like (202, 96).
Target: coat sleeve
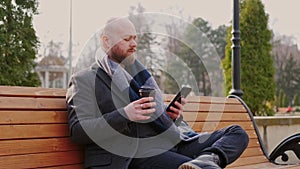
(86, 123)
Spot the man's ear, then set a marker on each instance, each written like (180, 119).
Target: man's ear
(106, 41)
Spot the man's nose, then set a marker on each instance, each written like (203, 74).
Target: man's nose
(133, 43)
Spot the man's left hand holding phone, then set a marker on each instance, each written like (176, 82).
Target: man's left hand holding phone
(175, 112)
(175, 107)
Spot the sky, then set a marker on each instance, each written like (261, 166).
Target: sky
(53, 20)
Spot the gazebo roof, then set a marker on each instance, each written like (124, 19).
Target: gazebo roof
(51, 64)
(51, 60)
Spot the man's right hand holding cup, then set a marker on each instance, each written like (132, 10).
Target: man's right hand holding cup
(142, 109)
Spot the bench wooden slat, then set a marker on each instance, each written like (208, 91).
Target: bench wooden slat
(32, 117)
(18, 91)
(204, 99)
(251, 133)
(74, 166)
(215, 116)
(210, 126)
(292, 167)
(263, 165)
(203, 107)
(249, 160)
(25, 103)
(30, 146)
(251, 151)
(253, 142)
(41, 131)
(33, 131)
(206, 128)
(41, 160)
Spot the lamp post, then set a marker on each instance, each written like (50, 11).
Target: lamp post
(235, 61)
(70, 42)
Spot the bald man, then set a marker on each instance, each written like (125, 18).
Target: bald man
(121, 130)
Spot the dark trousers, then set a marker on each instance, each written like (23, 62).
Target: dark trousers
(229, 143)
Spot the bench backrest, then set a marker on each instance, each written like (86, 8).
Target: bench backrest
(34, 129)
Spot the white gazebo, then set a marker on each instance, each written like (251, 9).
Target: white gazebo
(52, 72)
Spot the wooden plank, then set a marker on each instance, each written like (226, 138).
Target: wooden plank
(253, 143)
(296, 166)
(216, 125)
(25, 103)
(30, 146)
(249, 160)
(74, 166)
(264, 165)
(33, 131)
(32, 91)
(215, 116)
(32, 117)
(251, 132)
(202, 107)
(51, 130)
(204, 99)
(41, 160)
(252, 151)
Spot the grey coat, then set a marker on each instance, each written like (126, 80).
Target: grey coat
(97, 121)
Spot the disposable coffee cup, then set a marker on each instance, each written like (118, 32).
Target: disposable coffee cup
(147, 92)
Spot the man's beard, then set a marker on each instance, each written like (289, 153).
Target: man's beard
(129, 60)
(120, 57)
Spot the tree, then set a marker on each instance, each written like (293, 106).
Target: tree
(146, 40)
(203, 43)
(218, 38)
(18, 43)
(287, 65)
(192, 59)
(281, 100)
(173, 45)
(296, 100)
(290, 82)
(257, 71)
(87, 55)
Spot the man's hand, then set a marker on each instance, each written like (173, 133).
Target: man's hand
(140, 109)
(177, 111)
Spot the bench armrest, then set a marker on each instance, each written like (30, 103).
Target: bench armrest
(291, 143)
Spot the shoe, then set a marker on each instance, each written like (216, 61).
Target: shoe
(206, 161)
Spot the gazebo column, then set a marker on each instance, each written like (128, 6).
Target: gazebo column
(64, 79)
(46, 79)
(41, 78)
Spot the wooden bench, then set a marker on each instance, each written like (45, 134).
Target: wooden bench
(34, 129)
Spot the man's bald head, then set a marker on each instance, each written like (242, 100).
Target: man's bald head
(117, 26)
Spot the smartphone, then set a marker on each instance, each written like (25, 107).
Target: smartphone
(184, 91)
